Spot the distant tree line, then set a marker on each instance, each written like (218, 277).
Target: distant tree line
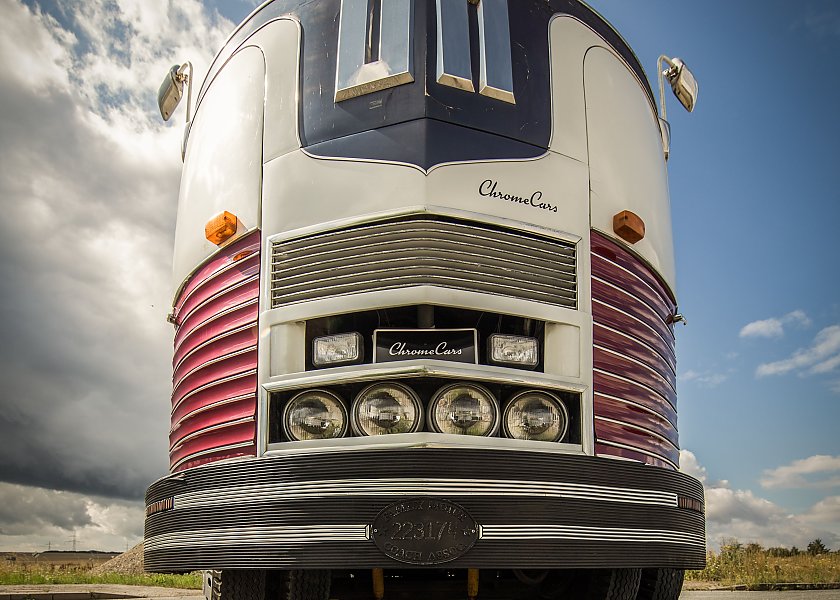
(734, 547)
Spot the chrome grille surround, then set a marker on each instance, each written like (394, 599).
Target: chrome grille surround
(424, 250)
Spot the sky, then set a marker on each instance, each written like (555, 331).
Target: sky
(88, 193)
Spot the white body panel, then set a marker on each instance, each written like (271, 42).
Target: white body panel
(244, 156)
(602, 117)
(626, 165)
(244, 119)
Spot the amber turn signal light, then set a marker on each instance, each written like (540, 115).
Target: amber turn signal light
(629, 226)
(220, 228)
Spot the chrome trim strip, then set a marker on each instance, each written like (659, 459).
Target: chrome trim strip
(430, 210)
(420, 368)
(645, 366)
(253, 494)
(397, 163)
(206, 386)
(216, 252)
(639, 298)
(213, 318)
(634, 382)
(637, 341)
(569, 532)
(372, 248)
(181, 318)
(668, 344)
(212, 406)
(213, 361)
(209, 429)
(215, 338)
(634, 449)
(422, 439)
(221, 270)
(491, 265)
(656, 293)
(247, 444)
(639, 428)
(238, 536)
(642, 407)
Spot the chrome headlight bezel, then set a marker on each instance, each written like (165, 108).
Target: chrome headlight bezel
(320, 394)
(517, 399)
(356, 422)
(493, 402)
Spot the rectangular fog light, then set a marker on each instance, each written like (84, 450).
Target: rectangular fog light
(341, 349)
(514, 350)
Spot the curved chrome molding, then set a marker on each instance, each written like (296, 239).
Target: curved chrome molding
(252, 494)
(237, 536)
(567, 532)
(431, 210)
(425, 368)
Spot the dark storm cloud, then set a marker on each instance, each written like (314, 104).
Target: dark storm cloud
(25, 511)
(88, 193)
(84, 370)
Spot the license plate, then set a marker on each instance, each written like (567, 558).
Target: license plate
(457, 345)
(424, 531)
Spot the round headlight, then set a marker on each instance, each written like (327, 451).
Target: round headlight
(536, 416)
(465, 409)
(384, 408)
(315, 415)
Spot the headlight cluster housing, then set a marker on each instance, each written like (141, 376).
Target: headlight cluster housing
(390, 407)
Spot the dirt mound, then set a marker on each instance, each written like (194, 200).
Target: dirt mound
(127, 563)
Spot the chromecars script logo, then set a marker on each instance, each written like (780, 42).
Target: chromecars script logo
(488, 188)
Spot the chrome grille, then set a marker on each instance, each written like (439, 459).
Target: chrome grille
(424, 250)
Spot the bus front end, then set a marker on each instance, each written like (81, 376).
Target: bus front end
(424, 309)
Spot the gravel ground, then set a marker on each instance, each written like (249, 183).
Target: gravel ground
(128, 563)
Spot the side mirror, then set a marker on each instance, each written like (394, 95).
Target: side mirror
(685, 88)
(682, 83)
(172, 90)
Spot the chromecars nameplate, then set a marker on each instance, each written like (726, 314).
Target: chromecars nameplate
(424, 531)
(457, 345)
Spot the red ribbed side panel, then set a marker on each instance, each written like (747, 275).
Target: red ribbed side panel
(635, 364)
(214, 380)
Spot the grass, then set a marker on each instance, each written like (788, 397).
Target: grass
(736, 564)
(27, 573)
(751, 565)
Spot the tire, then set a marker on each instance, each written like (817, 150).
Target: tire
(660, 584)
(247, 584)
(306, 585)
(585, 584)
(269, 585)
(609, 584)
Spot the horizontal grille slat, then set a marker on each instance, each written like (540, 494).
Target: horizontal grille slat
(406, 250)
(424, 251)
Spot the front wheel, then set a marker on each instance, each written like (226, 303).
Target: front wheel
(259, 584)
(587, 584)
(306, 585)
(611, 584)
(661, 584)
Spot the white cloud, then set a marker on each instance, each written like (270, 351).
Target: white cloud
(88, 190)
(742, 515)
(800, 473)
(708, 379)
(774, 327)
(691, 466)
(32, 518)
(820, 357)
